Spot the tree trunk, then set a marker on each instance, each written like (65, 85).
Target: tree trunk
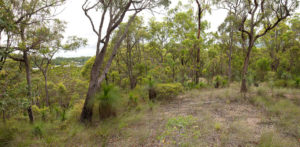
(46, 89)
(28, 78)
(197, 65)
(230, 56)
(245, 70)
(87, 110)
(3, 116)
(96, 79)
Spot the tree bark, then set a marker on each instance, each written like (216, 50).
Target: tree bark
(198, 64)
(245, 68)
(87, 111)
(230, 55)
(46, 89)
(3, 116)
(28, 78)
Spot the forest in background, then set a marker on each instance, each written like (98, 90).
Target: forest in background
(141, 66)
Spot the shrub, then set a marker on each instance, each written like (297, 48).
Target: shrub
(261, 91)
(287, 83)
(220, 81)
(201, 85)
(218, 126)
(280, 83)
(74, 113)
(168, 90)
(192, 85)
(108, 99)
(40, 112)
(37, 131)
(297, 82)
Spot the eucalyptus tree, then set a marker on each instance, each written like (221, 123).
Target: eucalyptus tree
(182, 28)
(6, 26)
(256, 18)
(160, 36)
(113, 12)
(132, 54)
(44, 55)
(229, 38)
(25, 16)
(203, 6)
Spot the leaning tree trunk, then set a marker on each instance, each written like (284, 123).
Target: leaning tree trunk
(87, 111)
(95, 78)
(28, 78)
(245, 70)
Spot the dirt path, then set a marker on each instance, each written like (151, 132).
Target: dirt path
(219, 122)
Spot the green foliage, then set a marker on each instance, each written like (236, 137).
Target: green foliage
(261, 91)
(168, 90)
(297, 82)
(193, 85)
(218, 126)
(62, 60)
(286, 83)
(85, 71)
(40, 112)
(133, 100)
(74, 113)
(180, 121)
(37, 130)
(220, 81)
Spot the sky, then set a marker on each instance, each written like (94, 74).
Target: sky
(78, 25)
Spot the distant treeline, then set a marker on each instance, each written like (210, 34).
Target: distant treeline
(63, 60)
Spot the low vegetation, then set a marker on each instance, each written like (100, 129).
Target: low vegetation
(170, 81)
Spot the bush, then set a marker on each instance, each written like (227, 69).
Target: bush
(297, 82)
(37, 131)
(168, 90)
(201, 85)
(40, 112)
(220, 81)
(74, 113)
(287, 83)
(192, 85)
(261, 91)
(280, 83)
